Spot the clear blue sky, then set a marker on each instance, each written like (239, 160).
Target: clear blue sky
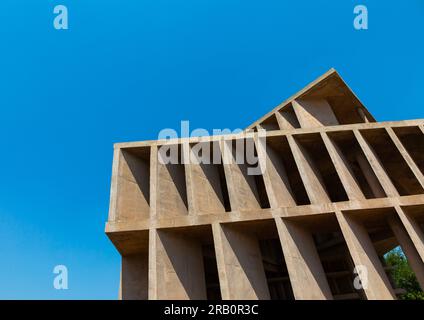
(126, 69)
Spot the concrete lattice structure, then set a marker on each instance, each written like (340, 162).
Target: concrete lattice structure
(339, 191)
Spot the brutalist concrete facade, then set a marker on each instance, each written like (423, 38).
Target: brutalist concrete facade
(338, 192)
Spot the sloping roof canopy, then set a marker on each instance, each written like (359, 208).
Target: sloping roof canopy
(331, 87)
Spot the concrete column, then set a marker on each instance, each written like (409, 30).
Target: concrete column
(375, 164)
(408, 248)
(191, 199)
(153, 180)
(286, 120)
(369, 175)
(275, 177)
(171, 197)
(415, 170)
(240, 267)
(134, 277)
(377, 286)
(241, 186)
(413, 228)
(153, 285)
(343, 169)
(179, 267)
(309, 174)
(114, 185)
(204, 190)
(306, 273)
(134, 190)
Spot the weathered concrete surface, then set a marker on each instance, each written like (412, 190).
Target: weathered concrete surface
(152, 204)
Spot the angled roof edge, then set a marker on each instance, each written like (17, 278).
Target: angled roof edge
(329, 74)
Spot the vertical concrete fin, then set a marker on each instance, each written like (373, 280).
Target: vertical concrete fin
(283, 124)
(310, 176)
(134, 279)
(171, 189)
(204, 187)
(275, 177)
(180, 270)
(220, 259)
(114, 185)
(408, 248)
(343, 169)
(370, 176)
(375, 164)
(153, 180)
(314, 113)
(152, 281)
(364, 255)
(413, 228)
(240, 267)
(191, 199)
(414, 168)
(284, 121)
(287, 118)
(134, 187)
(306, 273)
(241, 186)
(227, 158)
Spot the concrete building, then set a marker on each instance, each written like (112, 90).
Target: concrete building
(338, 192)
